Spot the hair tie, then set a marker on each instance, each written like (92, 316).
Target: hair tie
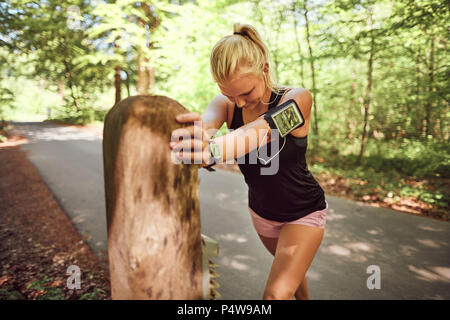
(239, 33)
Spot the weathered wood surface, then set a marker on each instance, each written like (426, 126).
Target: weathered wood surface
(152, 204)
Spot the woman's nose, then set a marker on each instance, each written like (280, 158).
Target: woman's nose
(240, 102)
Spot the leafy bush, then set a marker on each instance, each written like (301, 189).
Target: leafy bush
(68, 114)
(414, 169)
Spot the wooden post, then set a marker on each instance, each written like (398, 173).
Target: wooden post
(152, 204)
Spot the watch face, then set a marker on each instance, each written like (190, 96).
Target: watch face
(287, 119)
(215, 150)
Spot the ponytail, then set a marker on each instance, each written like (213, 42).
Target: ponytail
(242, 51)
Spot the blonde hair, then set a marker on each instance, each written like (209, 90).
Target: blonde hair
(244, 49)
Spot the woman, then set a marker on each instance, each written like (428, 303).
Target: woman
(288, 208)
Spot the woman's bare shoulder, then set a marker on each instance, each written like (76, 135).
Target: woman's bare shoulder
(303, 98)
(296, 94)
(228, 105)
(218, 111)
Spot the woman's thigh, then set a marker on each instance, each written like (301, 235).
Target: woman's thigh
(296, 247)
(269, 243)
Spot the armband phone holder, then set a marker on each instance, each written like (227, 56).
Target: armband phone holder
(286, 117)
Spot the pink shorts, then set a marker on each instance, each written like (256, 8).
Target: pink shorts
(272, 229)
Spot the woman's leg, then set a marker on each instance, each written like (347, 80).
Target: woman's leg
(302, 291)
(295, 249)
(271, 244)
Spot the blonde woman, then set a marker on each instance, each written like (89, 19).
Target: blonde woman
(288, 208)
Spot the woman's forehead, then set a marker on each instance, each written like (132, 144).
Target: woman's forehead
(238, 85)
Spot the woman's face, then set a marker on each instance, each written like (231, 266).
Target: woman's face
(246, 91)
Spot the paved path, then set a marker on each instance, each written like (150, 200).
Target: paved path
(412, 253)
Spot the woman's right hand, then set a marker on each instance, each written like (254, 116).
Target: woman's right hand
(190, 144)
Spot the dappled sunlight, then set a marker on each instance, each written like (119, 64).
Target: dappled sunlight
(360, 246)
(313, 275)
(233, 237)
(428, 228)
(408, 251)
(355, 252)
(375, 232)
(332, 215)
(442, 271)
(428, 243)
(222, 196)
(337, 250)
(244, 257)
(79, 219)
(432, 274)
(234, 263)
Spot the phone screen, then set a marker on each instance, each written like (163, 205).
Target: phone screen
(288, 119)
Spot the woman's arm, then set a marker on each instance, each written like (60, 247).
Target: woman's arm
(243, 140)
(216, 114)
(238, 142)
(247, 138)
(232, 145)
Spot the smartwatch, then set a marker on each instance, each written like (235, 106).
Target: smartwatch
(285, 118)
(216, 154)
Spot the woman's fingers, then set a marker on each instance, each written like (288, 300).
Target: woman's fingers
(188, 145)
(186, 133)
(197, 131)
(188, 117)
(198, 157)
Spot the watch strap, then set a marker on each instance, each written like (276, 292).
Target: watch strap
(209, 167)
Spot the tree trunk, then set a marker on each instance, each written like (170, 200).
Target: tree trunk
(315, 126)
(351, 104)
(430, 89)
(70, 85)
(297, 41)
(152, 205)
(127, 83)
(117, 83)
(368, 96)
(276, 58)
(418, 100)
(142, 86)
(117, 79)
(146, 73)
(61, 90)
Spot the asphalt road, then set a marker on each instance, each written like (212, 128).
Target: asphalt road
(410, 253)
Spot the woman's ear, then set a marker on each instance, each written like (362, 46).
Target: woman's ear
(266, 68)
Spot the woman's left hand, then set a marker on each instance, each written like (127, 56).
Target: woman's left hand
(190, 144)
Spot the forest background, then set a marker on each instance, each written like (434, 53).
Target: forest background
(378, 72)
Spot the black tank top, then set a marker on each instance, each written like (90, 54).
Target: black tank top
(292, 192)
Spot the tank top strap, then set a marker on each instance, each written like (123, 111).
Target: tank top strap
(238, 120)
(275, 98)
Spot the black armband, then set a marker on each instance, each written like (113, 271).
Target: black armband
(285, 118)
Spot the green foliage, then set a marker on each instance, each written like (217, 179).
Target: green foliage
(47, 292)
(387, 59)
(97, 294)
(388, 171)
(67, 114)
(10, 294)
